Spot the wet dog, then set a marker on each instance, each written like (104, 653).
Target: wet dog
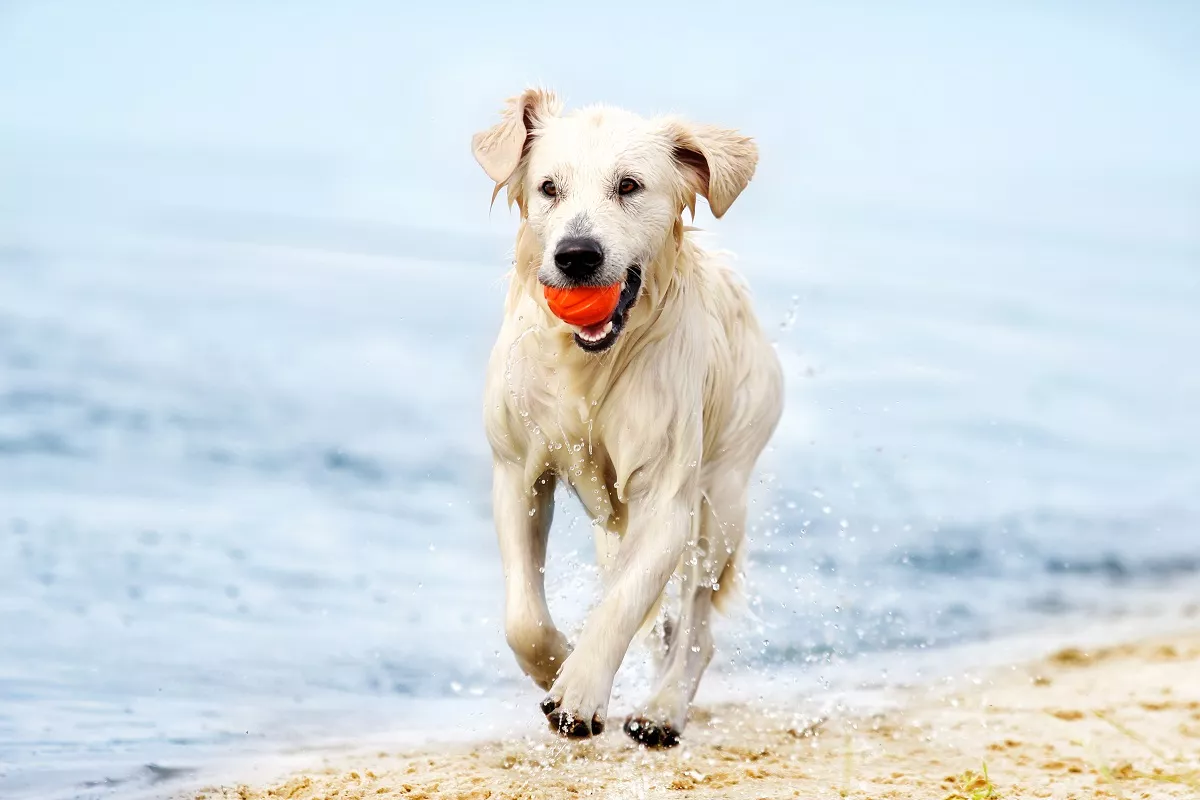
(654, 418)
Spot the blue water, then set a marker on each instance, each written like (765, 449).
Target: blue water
(248, 282)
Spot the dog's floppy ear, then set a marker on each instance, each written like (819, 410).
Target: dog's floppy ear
(499, 148)
(717, 163)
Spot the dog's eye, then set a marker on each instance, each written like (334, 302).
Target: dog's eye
(628, 186)
(549, 189)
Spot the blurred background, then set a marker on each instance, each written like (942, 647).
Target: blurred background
(249, 281)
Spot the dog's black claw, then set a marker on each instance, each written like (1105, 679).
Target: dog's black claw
(565, 724)
(651, 734)
(597, 725)
(548, 705)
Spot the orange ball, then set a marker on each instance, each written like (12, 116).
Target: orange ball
(583, 305)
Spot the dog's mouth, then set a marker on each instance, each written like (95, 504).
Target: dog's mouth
(601, 336)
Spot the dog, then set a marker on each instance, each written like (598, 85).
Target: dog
(654, 419)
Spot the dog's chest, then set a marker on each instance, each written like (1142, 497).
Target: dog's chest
(566, 436)
(566, 430)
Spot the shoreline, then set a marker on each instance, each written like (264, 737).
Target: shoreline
(1109, 711)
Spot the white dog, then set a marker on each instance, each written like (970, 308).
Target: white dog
(654, 419)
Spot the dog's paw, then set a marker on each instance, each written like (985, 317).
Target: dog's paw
(540, 652)
(543, 671)
(577, 702)
(650, 733)
(565, 723)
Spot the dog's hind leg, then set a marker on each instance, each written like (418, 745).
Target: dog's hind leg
(523, 514)
(661, 719)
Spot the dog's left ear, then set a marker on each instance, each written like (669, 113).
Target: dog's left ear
(717, 163)
(499, 148)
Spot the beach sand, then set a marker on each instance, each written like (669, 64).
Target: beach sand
(1114, 722)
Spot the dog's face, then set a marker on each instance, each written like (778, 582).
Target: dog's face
(602, 190)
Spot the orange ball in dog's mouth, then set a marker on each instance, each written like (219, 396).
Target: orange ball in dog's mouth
(587, 307)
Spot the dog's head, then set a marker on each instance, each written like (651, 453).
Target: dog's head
(603, 190)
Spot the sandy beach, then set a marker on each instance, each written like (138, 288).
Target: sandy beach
(1120, 721)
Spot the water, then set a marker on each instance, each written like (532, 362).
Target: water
(248, 282)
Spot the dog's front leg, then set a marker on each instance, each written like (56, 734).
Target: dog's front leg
(523, 514)
(659, 529)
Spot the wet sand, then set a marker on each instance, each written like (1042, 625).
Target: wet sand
(1119, 721)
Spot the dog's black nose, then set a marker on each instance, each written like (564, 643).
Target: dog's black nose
(578, 256)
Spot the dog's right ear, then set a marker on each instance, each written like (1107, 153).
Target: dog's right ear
(499, 149)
